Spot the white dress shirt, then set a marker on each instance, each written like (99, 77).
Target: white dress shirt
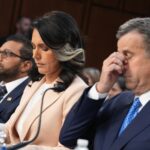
(10, 86)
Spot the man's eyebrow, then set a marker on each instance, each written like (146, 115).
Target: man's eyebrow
(7, 49)
(125, 51)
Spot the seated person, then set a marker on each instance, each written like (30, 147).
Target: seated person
(117, 88)
(122, 122)
(91, 74)
(58, 53)
(15, 65)
(23, 27)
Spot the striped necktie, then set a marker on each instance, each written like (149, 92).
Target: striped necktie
(3, 91)
(133, 111)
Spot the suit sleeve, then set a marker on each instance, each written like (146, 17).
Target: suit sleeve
(80, 119)
(1, 120)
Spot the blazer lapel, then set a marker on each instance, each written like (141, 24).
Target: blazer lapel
(116, 120)
(139, 123)
(49, 99)
(24, 101)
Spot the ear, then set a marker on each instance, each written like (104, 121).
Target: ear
(26, 66)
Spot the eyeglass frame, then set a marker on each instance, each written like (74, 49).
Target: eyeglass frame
(8, 53)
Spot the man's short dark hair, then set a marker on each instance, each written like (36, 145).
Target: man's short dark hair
(26, 50)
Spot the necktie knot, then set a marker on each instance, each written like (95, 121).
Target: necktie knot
(133, 111)
(3, 91)
(136, 104)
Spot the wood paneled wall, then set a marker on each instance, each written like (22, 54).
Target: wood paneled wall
(98, 20)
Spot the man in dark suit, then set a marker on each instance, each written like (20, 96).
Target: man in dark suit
(122, 122)
(15, 64)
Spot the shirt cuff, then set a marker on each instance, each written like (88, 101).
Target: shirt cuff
(95, 95)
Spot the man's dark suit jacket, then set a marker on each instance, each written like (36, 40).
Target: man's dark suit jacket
(11, 101)
(100, 123)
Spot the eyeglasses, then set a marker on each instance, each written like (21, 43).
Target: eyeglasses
(7, 53)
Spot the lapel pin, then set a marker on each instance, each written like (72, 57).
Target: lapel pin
(9, 98)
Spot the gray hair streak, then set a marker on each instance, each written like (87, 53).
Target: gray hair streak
(67, 53)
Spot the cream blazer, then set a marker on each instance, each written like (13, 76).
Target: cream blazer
(55, 109)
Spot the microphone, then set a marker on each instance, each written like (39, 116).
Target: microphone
(56, 88)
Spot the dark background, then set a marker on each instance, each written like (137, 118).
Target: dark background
(98, 20)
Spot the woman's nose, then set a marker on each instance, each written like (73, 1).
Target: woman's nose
(36, 53)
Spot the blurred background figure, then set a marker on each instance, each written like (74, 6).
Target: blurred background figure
(118, 87)
(23, 27)
(91, 74)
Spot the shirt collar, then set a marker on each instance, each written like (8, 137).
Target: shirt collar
(13, 84)
(144, 98)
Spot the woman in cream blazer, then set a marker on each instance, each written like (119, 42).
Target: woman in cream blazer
(55, 109)
(58, 54)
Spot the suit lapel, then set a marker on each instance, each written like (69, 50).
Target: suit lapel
(139, 123)
(117, 119)
(49, 99)
(12, 96)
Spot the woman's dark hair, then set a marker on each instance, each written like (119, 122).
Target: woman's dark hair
(57, 29)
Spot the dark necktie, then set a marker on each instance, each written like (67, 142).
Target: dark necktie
(133, 111)
(3, 91)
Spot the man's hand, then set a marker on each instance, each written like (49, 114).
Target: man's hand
(113, 66)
